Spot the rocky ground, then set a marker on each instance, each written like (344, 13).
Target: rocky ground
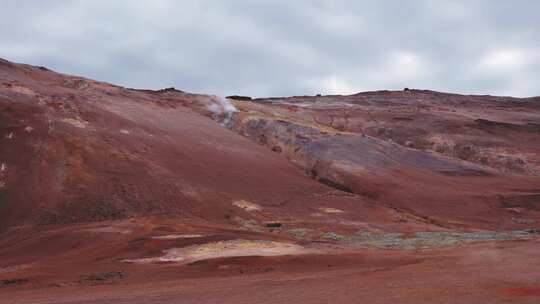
(118, 195)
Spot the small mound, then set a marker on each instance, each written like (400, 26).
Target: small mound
(246, 205)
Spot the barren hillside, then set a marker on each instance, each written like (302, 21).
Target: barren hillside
(119, 195)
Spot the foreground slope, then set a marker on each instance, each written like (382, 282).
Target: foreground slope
(116, 195)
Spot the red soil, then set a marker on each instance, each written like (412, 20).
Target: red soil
(93, 175)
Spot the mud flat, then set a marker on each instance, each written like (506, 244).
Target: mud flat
(232, 248)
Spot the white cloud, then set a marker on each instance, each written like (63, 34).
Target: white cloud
(335, 85)
(500, 60)
(282, 47)
(405, 66)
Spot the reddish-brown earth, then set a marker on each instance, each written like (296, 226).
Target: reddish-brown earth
(116, 195)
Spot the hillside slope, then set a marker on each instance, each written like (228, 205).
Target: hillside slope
(76, 150)
(118, 195)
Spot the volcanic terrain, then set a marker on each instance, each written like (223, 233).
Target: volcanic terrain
(118, 195)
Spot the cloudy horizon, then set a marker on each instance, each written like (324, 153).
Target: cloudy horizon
(282, 48)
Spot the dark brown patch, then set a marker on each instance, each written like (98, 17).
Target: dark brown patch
(490, 125)
(531, 202)
(17, 281)
(524, 291)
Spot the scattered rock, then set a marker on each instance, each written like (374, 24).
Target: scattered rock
(523, 221)
(79, 84)
(273, 225)
(249, 224)
(276, 149)
(333, 236)
(298, 233)
(421, 240)
(76, 122)
(102, 278)
(171, 89)
(239, 97)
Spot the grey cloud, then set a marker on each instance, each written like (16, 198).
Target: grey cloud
(263, 48)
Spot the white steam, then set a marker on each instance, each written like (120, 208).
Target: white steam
(222, 109)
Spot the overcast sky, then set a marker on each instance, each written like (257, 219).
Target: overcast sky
(277, 48)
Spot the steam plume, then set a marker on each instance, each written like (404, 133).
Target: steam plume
(222, 109)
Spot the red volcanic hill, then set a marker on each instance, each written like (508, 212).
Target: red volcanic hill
(77, 150)
(121, 182)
